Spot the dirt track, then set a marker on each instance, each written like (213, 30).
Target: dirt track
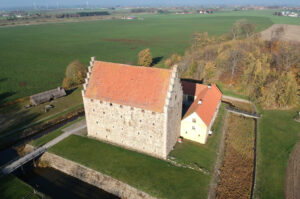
(291, 32)
(292, 181)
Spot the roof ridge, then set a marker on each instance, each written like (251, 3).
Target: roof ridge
(136, 66)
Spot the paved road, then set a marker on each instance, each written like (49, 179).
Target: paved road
(11, 166)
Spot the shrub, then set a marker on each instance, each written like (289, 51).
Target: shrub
(145, 57)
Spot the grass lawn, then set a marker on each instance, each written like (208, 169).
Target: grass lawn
(204, 155)
(277, 135)
(154, 176)
(14, 117)
(13, 188)
(34, 58)
(50, 136)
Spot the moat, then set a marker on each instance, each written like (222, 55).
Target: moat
(55, 184)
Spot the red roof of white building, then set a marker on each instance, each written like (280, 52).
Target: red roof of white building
(209, 96)
(135, 86)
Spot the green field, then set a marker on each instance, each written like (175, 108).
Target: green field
(34, 58)
(13, 188)
(277, 135)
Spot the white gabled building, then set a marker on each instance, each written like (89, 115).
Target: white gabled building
(203, 103)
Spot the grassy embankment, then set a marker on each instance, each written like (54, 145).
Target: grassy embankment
(18, 118)
(154, 176)
(34, 58)
(13, 188)
(52, 135)
(278, 134)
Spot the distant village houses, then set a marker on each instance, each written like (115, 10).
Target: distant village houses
(287, 13)
(205, 11)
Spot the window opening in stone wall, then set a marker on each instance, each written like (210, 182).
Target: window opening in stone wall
(101, 102)
(193, 127)
(153, 113)
(92, 100)
(110, 104)
(121, 106)
(143, 111)
(153, 124)
(194, 120)
(140, 120)
(131, 108)
(103, 112)
(93, 110)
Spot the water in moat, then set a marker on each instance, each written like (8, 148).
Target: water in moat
(55, 184)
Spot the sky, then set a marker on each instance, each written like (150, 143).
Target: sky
(31, 3)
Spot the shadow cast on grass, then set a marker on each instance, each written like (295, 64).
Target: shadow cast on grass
(156, 60)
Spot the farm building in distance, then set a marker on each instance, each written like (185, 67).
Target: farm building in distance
(203, 102)
(47, 96)
(136, 107)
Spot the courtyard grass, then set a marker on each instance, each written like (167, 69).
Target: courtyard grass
(34, 58)
(278, 134)
(52, 135)
(13, 188)
(153, 176)
(204, 155)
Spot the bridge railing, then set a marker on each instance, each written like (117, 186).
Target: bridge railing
(231, 108)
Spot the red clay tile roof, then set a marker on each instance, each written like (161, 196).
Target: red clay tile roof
(135, 86)
(210, 99)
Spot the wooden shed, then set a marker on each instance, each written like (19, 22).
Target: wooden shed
(47, 96)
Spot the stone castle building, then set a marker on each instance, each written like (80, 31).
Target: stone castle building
(135, 107)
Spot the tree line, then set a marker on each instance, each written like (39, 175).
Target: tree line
(266, 71)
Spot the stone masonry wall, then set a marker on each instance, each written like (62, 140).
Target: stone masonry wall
(173, 108)
(130, 127)
(93, 177)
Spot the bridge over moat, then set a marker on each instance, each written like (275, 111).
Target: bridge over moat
(17, 163)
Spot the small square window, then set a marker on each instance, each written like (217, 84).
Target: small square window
(121, 106)
(193, 128)
(194, 120)
(110, 104)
